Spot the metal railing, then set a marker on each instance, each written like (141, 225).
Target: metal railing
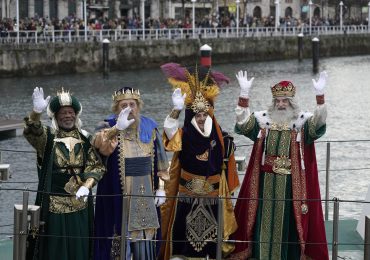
(24, 226)
(20, 232)
(68, 36)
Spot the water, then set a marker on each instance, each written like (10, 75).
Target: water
(347, 97)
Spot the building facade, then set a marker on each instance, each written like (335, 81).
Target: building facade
(179, 9)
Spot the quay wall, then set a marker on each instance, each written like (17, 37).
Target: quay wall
(66, 58)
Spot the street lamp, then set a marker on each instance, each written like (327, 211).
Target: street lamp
(237, 17)
(85, 20)
(169, 9)
(193, 23)
(277, 7)
(341, 14)
(17, 28)
(368, 16)
(143, 17)
(309, 14)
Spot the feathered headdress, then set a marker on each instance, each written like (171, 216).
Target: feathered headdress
(201, 90)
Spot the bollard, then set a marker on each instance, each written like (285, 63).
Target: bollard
(367, 239)
(327, 182)
(335, 229)
(220, 225)
(315, 54)
(205, 56)
(300, 47)
(106, 57)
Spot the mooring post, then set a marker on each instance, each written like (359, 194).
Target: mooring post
(106, 57)
(300, 46)
(315, 54)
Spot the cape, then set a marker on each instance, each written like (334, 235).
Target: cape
(310, 226)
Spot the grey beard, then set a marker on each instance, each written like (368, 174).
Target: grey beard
(137, 121)
(282, 116)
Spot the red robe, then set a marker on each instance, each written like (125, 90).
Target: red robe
(305, 184)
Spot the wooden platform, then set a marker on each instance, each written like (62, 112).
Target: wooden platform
(10, 128)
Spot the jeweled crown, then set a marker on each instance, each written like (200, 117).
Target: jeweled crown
(283, 89)
(126, 93)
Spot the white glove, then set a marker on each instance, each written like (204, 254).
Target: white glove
(178, 100)
(122, 121)
(320, 85)
(244, 83)
(39, 103)
(160, 197)
(82, 192)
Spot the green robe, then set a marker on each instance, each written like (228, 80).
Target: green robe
(62, 157)
(275, 221)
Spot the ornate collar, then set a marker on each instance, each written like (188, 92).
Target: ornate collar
(265, 122)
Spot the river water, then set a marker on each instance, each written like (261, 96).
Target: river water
(347, 98)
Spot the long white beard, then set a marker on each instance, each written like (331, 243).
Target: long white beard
(282, 116)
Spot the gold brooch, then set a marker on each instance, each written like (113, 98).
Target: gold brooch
(200, 104)
(282, 165)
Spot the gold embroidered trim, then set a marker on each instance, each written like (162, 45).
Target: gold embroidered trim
(121, 161)
(111, 133)
(279, 127)
(175, 113)
(253, 192)
(201, 225)
(203, 156)
(35, 117)
(296, 185)
(73, 185)
(62, 205)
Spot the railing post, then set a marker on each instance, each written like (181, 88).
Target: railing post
(327, 182)
(220, 225)
(367, 239)
(20, 229)
(335, 229)
(123, 227)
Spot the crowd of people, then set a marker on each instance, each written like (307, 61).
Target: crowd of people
(42, 24)
(171, 210)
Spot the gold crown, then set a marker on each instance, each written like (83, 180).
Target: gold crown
(126, 94)
(283, 89)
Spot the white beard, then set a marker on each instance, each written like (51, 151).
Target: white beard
(282, 116)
